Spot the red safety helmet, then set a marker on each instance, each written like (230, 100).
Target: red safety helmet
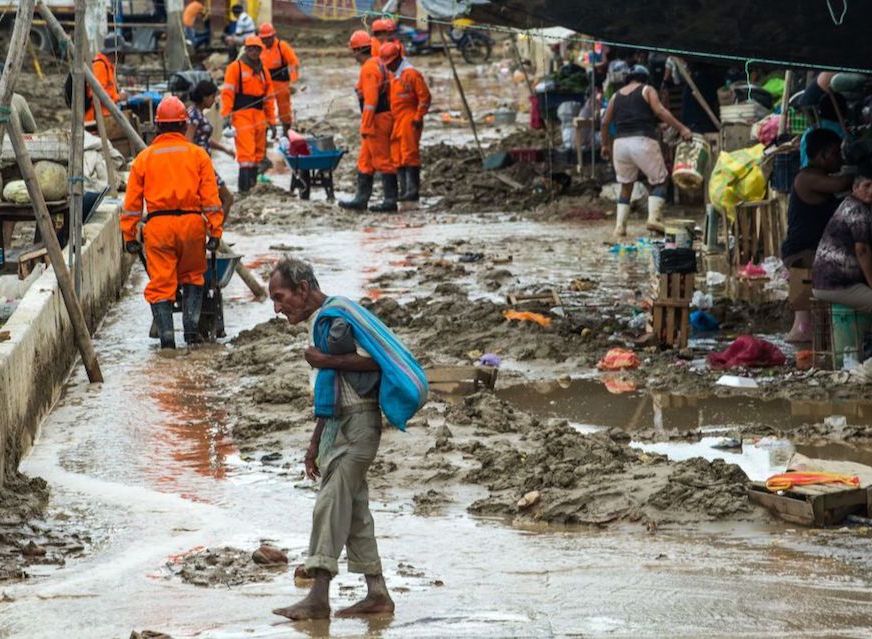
(267, 30)
(389, 52)
(253, 41)
(360, 40)
(384, 25)
(171, 109)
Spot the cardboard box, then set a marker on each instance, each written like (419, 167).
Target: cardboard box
(799, 292)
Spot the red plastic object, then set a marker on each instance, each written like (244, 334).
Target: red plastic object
(297, 144)
(527, 155)
(536, 121)
(748, 352)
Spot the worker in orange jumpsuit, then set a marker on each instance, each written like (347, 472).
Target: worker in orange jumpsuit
(410, 101)
(248, 103)
(103, 68)
(173, 183)
(384, 30)
(278, 57)
(376, 123)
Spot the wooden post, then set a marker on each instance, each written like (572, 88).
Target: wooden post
(247, 276)
(77, 150)
(98, 91)
(682, 69)
(14, 56)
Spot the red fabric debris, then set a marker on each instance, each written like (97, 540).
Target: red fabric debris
(617, 359)
(297, 144)
(749, 352)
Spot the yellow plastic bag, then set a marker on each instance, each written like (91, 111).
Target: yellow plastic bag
(737, 177)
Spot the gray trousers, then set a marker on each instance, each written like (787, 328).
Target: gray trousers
(341, 518)
(858, 296)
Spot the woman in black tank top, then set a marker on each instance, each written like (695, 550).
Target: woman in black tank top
(812, 203)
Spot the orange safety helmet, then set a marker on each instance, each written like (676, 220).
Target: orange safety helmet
(253, 41)
(384, 25)
(389, 52)
(171, 109)
(267, 30)
(360, 40)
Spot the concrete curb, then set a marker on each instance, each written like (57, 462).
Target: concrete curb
(35, 362)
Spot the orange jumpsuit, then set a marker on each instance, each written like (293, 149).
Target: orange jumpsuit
(376, 122)
(276, 60)
(175, 180)
(410, 101)
(248, 95)
(104, 71)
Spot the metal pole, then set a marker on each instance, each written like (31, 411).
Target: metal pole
(77, 149)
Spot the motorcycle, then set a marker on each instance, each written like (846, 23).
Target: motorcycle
(474, 45)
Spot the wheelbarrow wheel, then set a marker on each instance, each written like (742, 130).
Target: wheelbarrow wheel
(328, 186)
(306, 185)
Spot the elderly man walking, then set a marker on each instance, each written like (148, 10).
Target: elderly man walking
(362, 370)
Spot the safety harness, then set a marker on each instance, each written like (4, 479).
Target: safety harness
(384, 96)
(245, 101)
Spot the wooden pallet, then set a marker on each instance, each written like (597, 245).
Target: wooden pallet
(671, 309)
(820, 505)
(548, 298)
(758, 231)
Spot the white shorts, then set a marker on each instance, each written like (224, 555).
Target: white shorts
(638, 153)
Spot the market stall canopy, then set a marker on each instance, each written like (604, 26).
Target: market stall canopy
(448, 8)
(827, 33)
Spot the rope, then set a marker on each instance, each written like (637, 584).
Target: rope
(5, 114)
(838, 21)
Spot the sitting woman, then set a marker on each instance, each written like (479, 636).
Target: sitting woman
(812, 203)
(842, 271)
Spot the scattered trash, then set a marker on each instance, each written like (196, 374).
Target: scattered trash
(268, 555)
(747, 351)
(713, 279)
(702, 301)
(727, 443)
(623, 248)
(529, 499)
(490, 359)
(836, 421)
(804, 359)
(469, 258)
(638, 322)
(752, 272)
(619, 385)
(582, 285)
(617, 359)
(786, 481)
(703, 322)
(528, 316)
(734, 381)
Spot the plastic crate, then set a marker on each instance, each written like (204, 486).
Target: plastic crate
(527, 155)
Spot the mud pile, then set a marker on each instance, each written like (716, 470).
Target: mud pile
(598, 479)
(27, 538)
(223, 567)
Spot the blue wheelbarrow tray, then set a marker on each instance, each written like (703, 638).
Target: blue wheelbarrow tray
(316, 161)
(225, 267)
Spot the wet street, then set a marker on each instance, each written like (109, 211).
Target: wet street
(146, 464)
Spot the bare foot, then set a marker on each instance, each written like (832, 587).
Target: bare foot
(305, 609)
(373, 604)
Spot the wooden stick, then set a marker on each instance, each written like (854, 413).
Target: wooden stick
(785, 98)
(682, 69)
(35, 58)
(77, 150)
(247, 276)
(12, 67)
(462, 93)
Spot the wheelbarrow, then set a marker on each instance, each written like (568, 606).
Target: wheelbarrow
(219, 269)
(315, 169)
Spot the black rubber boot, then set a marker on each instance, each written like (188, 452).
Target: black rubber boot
(413, 176)
(402, 183)
(153, 332)
(243, 184)
(364, 192)
(389, 204)
(163, 317)
(192, 302)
